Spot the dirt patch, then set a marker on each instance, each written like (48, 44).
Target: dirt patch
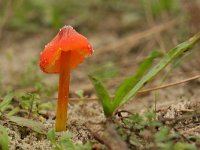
(184, 115)
(177, 106)
(83, 117)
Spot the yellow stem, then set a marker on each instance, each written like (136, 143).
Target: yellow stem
(63, 94)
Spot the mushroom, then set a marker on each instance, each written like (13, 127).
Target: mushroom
(60, 56)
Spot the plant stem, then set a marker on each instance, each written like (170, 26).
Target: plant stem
(63, 94)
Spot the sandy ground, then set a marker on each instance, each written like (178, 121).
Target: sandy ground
(16, 53)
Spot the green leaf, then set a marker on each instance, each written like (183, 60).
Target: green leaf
(80, 93)
(129, 88)
(162, 135)
(184, 146)
(103, 96)
(51, 135)
(6, 102)
(129, 83)
(85, 146)
(27, 100)
(170, 56)
(45, 106)
(4, 139)
(67, 143)
(31, 124)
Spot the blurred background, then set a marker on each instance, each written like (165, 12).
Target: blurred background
(122, 33)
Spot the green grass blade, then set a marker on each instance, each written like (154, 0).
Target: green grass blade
(6, 102)
(129, 83)
(51, 136)
(31, 124)
(4, 139)
(67, 143)
(170, 56)
(103, 96)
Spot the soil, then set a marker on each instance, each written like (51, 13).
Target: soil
(172, 102)
(18, 49)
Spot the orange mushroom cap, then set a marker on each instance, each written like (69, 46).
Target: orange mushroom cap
(66, 40)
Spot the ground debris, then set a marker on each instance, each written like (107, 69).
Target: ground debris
(184, 116)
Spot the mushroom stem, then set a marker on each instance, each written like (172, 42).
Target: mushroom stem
(63, 94)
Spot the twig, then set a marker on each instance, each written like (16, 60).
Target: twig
(135, 38)
(140, 93)
(197, 128)
(99, 138)
(169, 85)
(143, 92)
(106, 137)
(182, 136)
(176, 120)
